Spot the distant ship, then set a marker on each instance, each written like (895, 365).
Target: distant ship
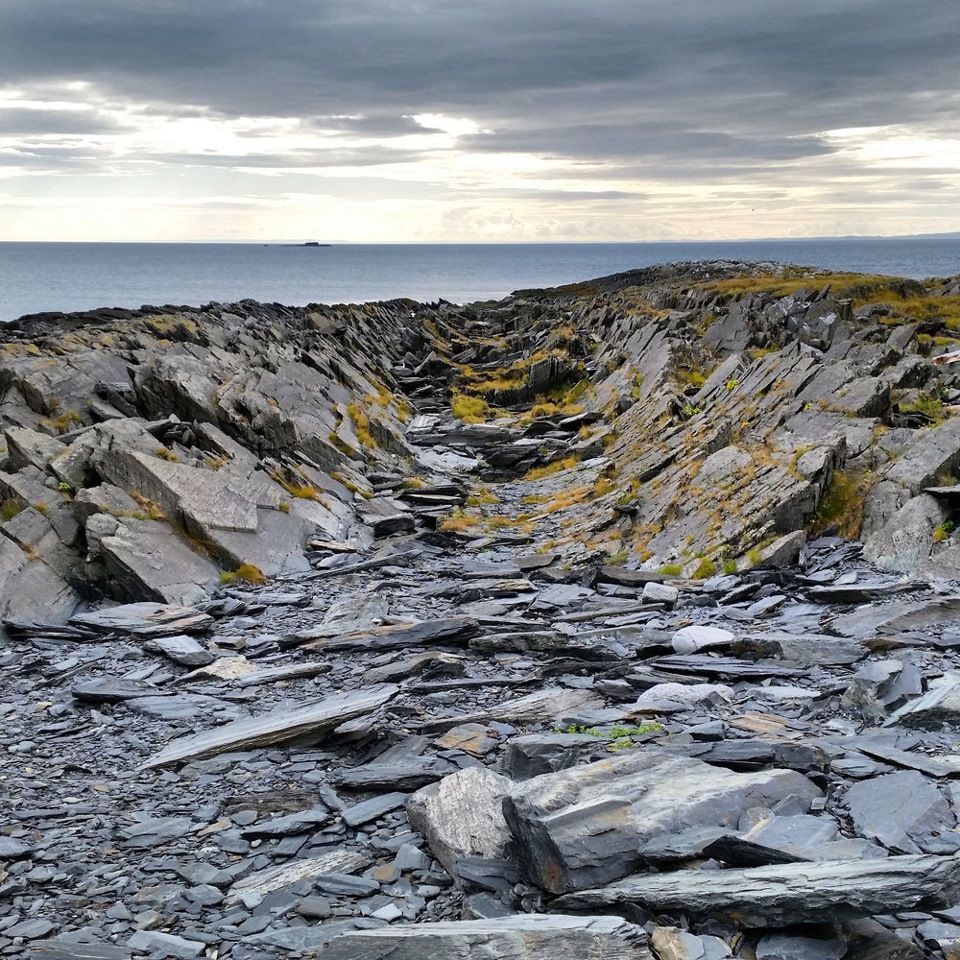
(315, 243)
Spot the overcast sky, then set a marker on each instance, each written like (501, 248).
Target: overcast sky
(446, 120)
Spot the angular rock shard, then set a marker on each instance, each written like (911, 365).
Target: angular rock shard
(455, 630)
(777, 896)
(279, 726)
(461, 815)
(524, 937)
(585, 826)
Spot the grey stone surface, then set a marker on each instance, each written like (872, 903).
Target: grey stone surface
(461, 815)
(905, 812)
(279, 726)
(783, 895)
(504, 938)
(585, 826)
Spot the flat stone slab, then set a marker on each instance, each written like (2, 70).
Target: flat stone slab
(455, 630)
(278, 726)
(145, 620)
(585, 826)
(523, 937)
(939, 705)
(777, 896)
(905, 812)
(274, 878)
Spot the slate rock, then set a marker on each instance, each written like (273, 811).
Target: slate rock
(905, 812)
(586, 825)
(304, 821)
(112, 690)
(785, 946)
(166, 944)
(181, 649)
(461, 815)
(12, 849)
(263, 882)
(278, 726)
(694, 638)
(672, 943)
(660, 593)
(372, 809)
(779, 896)
(77, 945)
(523, 937)
(145, 619)
(537, 753)
(938, 706)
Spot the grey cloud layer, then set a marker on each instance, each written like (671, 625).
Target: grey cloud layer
(751, 80)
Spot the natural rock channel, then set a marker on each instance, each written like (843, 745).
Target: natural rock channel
(618, 620)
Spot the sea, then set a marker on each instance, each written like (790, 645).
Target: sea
(70, 277)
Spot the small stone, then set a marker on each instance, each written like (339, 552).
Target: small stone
(316, 908)
(660, 593)
(691, 639)
(165, 944)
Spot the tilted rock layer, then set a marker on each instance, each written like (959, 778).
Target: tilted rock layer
(696, 416)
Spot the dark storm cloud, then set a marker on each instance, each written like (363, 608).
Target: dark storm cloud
(294, 159)
(27, 122)
(748, 79)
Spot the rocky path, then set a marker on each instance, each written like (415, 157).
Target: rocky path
(419, 631)
(738, 726)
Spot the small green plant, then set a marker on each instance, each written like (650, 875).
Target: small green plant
(64, 487)
(729, 566)
(469, 409)
(671, 570)
(9, 509)
(284, 507)
(164, 454)
(706, 568)
(482, 496)
(64, 422)
(42, 507)
(841, 505)
(361, 425)
(246, 572)
(689, 410)
(942, 531)
(619, 736)
(149, 509)
(732, 385)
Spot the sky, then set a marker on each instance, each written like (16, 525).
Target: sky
(489, 120)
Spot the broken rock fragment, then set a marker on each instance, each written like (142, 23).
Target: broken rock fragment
(585, 826)
(278, 726)
(785, 894)
(522, 937)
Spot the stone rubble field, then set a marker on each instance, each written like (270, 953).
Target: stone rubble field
(518, 630)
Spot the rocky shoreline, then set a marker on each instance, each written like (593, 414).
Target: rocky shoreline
(519, 629)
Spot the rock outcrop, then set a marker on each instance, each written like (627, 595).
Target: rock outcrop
(434, 630)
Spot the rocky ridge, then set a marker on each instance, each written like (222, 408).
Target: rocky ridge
(545, 637)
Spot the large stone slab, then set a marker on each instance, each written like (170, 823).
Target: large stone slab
(777, 896)
(524, 937)
(273, 878)
(453, 630)
(905, 812)
(147, 560)
(278, 726)
(585, 826)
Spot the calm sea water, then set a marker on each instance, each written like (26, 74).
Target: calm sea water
(38, 277)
